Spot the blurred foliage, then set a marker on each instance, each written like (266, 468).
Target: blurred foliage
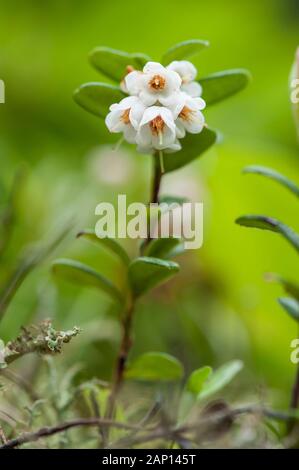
(218, 308)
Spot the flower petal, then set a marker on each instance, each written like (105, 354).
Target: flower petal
(180, 129)
(193, 89)
(130, 134)
(195, 124)
(175, 147)
(184, 68)
(133, 82)
(113, 121)
(150, 114)
(153, 67)
(144, 136)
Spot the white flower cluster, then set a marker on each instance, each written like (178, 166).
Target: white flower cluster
(164, 103)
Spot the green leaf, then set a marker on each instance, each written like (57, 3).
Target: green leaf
(291, 306)
(269, 173)
(106, 242)
(289, 286)
(162, 247)
(221, 85)
(113, 64)
(220, 378)
(155, 367)
(84, 275)
(183, 50)
(193, 146)
(268, 223)
(168, 199)
(146, 273)
(197, 379)
(96, 97)
(191, 391)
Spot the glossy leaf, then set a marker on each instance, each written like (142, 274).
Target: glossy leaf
(155, 367)
(146, 273)
(168, 199)
(162, 247)
(106, 242)
(96, 97)
(221, 85)
(194, 145)
(220, 378)
(197, 379)
(113, 63)
(184, 50)
(191, 391)
(275, 175)
(291, 306)
(84, 275)
(268, 223)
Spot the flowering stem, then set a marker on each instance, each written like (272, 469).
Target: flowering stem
(156, 182)
(157, 177)
(161, 161)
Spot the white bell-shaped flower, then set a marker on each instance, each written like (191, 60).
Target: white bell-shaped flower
(188, 73)
(188, 115)
(155, 85)
(125, 117)
(157, 129)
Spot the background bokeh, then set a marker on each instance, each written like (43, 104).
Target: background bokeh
(219, 307)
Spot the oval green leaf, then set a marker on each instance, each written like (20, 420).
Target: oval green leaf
(145, 273)
(191, 391)
(221, 85)
(197, 379)
(113, 63)
(96, 97)
(163, 248)
(220, 378)
(274, 175)
(106, 242)
(84, 275)
(268, 223)
(169, 199)
(184, 50)
(291, 306)
(194, 145)
(155, 367)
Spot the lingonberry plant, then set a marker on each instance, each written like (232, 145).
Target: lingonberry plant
(157, 106)
(160, 108)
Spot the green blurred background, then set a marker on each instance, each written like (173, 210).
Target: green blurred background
(219, 307)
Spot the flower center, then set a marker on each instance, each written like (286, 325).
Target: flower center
(186, 114)
(157, 83)
(157, 125)
(125, 117)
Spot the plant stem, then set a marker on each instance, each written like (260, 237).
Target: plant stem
(157, 177)
(156, 182)
(125, 346)
(295, 392)
(50, 431)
